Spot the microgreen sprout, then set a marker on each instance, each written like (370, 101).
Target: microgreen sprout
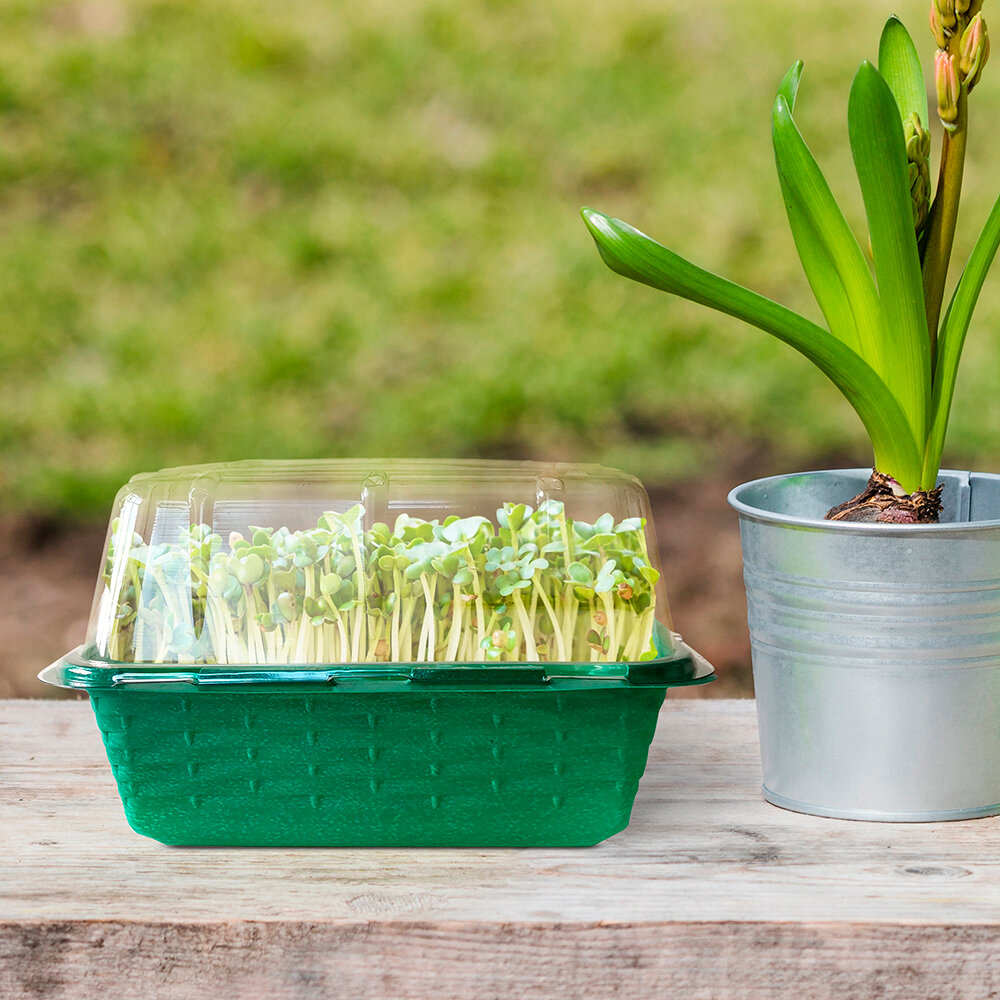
(534, 586)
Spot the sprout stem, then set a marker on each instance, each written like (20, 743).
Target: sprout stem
(457, 618)
(551, 611)
(609, 610)
(531, 651)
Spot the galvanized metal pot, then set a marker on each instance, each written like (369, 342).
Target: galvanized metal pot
(876, 650)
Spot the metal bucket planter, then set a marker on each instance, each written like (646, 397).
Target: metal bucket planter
(876, 650)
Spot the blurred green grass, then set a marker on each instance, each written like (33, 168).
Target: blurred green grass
(274, 229)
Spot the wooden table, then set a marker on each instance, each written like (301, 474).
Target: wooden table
(710, 893)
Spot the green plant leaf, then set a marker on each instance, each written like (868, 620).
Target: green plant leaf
(789, 86)
(633, 254)
(831, 258)
(951, 339)
(876, 135)
(899, 66)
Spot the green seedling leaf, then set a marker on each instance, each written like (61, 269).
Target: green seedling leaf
(633, 254)
(353, 515)
(284, 608)
(506, 585)
(631, 524)
(415, 570)
(579, 573)
(463, 529)
(899, 66)
(604, 524)
(182, 638)
(446, 565)
(314, 607)
(219, 580)
(605, 578)
(514, 515)
(344, 598)
(879, 150)
(380, 533)
(248, 570)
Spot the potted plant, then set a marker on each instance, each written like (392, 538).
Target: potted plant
(873, 599)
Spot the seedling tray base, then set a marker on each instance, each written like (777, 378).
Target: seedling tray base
(556, 766)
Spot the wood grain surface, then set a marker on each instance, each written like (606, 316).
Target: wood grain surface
(709, 893)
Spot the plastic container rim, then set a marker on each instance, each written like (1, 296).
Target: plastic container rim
(79, 671)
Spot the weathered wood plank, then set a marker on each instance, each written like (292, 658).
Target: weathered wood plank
(710, 893)
(455, 961)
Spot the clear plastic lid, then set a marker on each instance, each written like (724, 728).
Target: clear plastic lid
(254, 564)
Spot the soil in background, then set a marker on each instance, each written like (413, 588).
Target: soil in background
(48, 571)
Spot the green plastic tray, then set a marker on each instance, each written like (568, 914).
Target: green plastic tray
(444, 757)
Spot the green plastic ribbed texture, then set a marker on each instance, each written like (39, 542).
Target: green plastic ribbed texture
(495, 767)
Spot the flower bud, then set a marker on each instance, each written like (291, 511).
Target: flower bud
(948, 88)
(961, 6)
(974, 50)
(946, 12)
(917, 138)
(918, 148)
(937, 27)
